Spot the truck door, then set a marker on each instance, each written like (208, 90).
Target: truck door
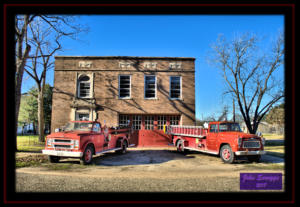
(98, 137)
(212, 137)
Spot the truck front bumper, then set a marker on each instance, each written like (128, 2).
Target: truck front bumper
(62, 153)
(250, 152)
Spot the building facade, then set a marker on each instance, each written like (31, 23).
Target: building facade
(147, 91)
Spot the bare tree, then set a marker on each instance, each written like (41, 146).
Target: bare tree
(249, 74)
(54, 28)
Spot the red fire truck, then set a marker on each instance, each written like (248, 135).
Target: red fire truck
(220, 138)
(83, 139)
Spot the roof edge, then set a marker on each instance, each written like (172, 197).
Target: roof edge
(121, 57)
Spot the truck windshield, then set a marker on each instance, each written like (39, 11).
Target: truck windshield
(229, 127)
(72, 126)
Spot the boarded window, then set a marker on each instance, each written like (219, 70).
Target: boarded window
(150, 87)
(149, 122)
(175, 87)
(124, 86)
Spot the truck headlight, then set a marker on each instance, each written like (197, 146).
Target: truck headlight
(76, 143)
(240, 142)
(49, 142)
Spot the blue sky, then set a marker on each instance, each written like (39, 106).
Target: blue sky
(169, 35)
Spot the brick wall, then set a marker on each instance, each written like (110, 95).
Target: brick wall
(106, 71)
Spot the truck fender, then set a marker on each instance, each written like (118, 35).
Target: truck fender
(177, 139)
(120, 141)
(221, 145)
(86, 144)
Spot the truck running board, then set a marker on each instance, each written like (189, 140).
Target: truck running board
(114, 149)
(205, 151)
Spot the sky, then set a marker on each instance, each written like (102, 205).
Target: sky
(169, 36)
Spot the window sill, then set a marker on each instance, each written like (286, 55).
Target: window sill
(174, 99)
(125, 98)
(150, 98)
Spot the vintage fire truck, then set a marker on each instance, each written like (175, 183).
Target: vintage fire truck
(219, 138)
(83, 139)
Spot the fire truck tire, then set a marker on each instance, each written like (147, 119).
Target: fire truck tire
(180, 146)
(254, 158)
(227, 154)
(124, 148)
(87, 157)
(53, 159)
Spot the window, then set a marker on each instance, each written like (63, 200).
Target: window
(96, 127)
(213, 128)
(84, 87)
(174, 120)
(161, 121)
(82, 116)
(175, 87)
(136, 122)
(174, 65)
(149, 125)
(150, 87)
(124, 120)
(124, 86)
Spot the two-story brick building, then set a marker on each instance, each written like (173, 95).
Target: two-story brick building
(148, 91)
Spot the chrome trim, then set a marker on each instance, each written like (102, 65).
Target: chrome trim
(62, 153)
(260, 152)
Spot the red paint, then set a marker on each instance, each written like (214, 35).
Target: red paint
(102, 139)
(206, 140)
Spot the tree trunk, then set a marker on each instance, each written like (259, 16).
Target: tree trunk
(41, 116)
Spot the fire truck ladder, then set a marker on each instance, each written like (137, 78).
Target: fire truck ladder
(190, 131)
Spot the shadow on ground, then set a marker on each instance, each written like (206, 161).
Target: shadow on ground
(139, 157)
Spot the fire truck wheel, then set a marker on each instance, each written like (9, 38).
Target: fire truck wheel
(254, 158)
(124, 148)
(87, 155)
(226, 154)
(54, 159)
(180, 146)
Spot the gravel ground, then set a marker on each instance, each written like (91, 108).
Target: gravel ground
(141, 170)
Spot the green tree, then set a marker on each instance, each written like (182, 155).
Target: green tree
(276, 115)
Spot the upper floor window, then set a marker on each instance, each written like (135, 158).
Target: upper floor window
(84, 87)
(150, 65)
(150, 86)
(175, 65)
(175, 87)
(124, 86)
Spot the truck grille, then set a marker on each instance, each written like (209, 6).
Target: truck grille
(62, 140)
(251, 144)
(62, 146)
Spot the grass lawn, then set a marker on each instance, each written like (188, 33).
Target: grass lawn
(29, 143)
(273, 136)
(277, 151)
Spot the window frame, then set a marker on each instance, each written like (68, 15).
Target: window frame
(155, 87)
(78, 86)
(180, 97)
(129, 87)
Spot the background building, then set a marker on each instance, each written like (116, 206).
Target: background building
(148, 91)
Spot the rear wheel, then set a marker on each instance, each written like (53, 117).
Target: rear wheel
(124, 148)
(254, 158)
(180, 146)
(226, 154)
(54, 159)
(87, 155)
